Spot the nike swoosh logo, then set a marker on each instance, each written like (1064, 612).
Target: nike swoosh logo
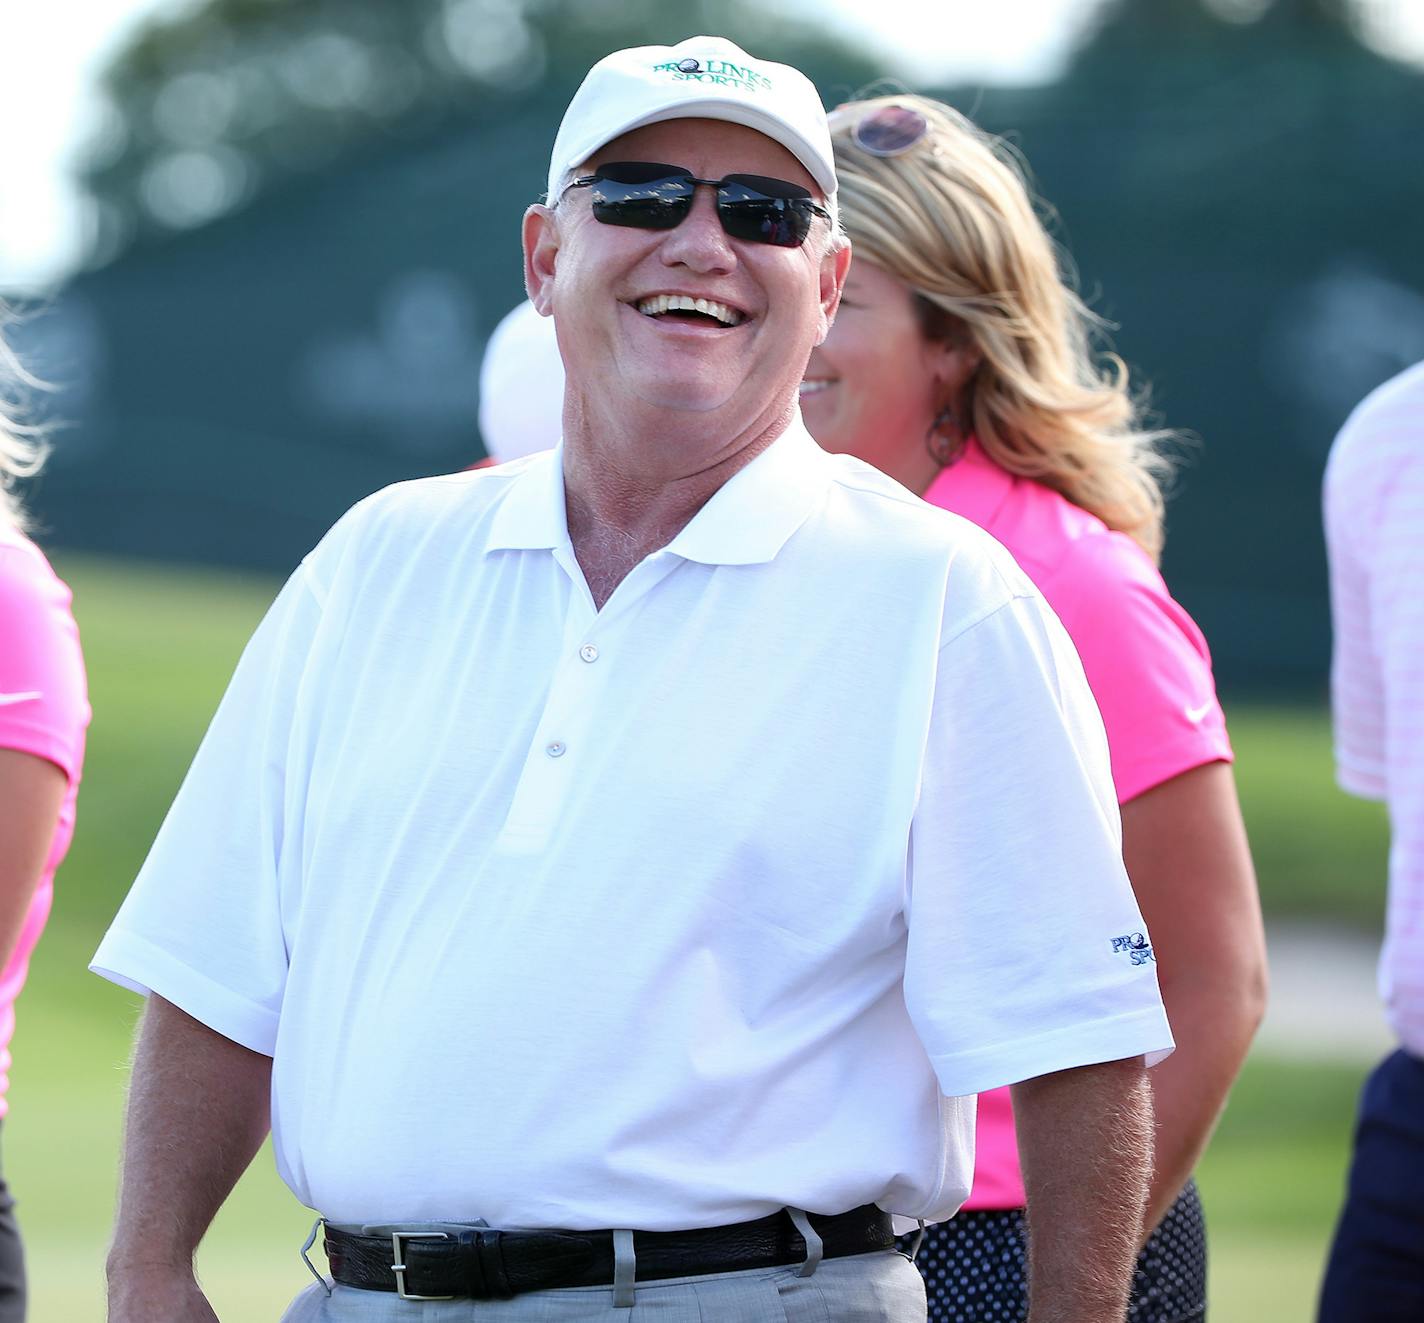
(28, 696)
(1195, 714)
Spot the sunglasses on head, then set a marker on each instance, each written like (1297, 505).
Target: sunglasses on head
(646, 195)
(886, 130)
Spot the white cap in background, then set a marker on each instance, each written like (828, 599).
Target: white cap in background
(700, 78)
(521, 386)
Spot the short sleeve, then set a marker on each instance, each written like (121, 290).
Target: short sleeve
(1374, 511)
(1026, 950)
(1147, 663)
(44, 707)
(203, 926)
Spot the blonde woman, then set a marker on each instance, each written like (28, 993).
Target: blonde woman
(43, 715)
(961, 364)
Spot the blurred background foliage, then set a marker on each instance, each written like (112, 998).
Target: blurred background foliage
(305, 219)
(212, 110)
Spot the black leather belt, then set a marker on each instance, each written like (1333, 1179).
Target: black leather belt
(483, 1264)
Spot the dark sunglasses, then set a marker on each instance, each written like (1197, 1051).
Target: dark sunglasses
(646, 195)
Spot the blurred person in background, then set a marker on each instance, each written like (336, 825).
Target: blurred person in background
(1374, 533)
(44, 711)
(521, 387)
(960, 365)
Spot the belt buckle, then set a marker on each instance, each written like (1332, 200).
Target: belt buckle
(399, 1268)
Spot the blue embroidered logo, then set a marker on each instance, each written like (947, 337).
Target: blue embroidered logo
(1137, 947)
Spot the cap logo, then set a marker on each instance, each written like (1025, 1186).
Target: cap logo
(720, 73)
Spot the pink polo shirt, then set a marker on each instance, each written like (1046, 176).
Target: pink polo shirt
(44, 710)
(1146, 662)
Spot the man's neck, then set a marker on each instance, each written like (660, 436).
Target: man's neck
(629, 495)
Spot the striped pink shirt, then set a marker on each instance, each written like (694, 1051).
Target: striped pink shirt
(1374, 528)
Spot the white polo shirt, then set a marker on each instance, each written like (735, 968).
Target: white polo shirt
(1374, 525)
(665, 915)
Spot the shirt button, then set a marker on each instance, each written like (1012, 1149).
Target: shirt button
(589, 652)
(556, 750)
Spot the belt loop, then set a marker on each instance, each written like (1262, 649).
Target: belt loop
(814, 1247)
(306, 1250)
(918, 1240)
(625, 1270)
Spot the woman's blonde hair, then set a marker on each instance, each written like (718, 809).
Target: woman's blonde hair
(953, 217)
(22, 450)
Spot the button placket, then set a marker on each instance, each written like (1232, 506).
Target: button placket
(551, 760)
(569, 696)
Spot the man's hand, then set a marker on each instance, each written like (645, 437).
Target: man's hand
(157, 1295)
(198, 1110)
(1085, 1140)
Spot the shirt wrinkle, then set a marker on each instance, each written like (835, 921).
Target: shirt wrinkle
(988, 615)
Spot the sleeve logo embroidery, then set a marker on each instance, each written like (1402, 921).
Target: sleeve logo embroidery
(1136, 946)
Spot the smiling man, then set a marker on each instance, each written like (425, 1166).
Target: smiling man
(614, 873)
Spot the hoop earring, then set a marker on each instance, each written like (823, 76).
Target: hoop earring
(945, 438)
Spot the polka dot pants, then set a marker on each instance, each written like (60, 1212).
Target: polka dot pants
(974, 1266)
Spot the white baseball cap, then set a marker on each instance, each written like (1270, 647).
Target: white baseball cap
(521, 386)
(700, 78)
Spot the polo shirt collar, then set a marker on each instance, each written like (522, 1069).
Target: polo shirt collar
(746, 522)
(532, 516)
(755, 512)
(973, 487)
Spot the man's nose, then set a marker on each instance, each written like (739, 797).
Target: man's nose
(700, 242)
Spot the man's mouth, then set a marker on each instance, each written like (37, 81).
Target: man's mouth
(685, 308)
(814, 385)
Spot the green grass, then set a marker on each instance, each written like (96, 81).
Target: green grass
(61, 1147)
(1320, 853)
(160, 645)
(1271, 1184)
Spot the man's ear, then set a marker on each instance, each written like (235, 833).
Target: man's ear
(834, 266)
(541, 251)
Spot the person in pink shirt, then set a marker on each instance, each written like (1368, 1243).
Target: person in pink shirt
(44, 711)
(961, 364)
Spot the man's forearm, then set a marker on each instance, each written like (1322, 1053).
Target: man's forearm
(1085, 1140)
(198, 1110)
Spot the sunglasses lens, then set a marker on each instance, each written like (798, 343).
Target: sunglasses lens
(758, 209)
(641, 195)
(890, 130)
(648, 196)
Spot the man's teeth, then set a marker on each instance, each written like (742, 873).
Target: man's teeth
(811, 387)
(661, 303)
